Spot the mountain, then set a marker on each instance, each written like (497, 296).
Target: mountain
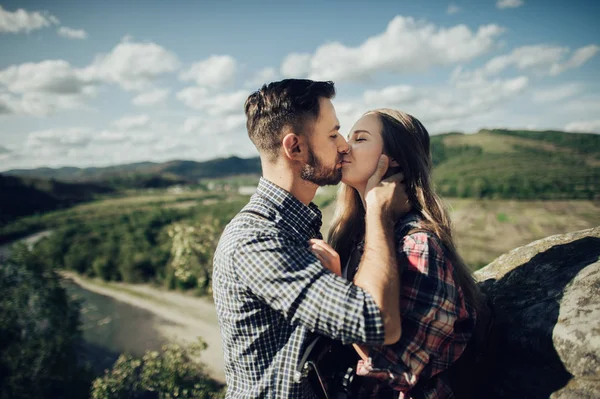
(21, 196)
(184, 171)
(492, 163)
(69, 173)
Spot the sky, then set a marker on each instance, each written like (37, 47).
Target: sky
(100, 83)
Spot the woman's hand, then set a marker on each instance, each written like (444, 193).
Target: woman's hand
(327, 255)
(362, 350)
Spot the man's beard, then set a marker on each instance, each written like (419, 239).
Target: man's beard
(316, 173)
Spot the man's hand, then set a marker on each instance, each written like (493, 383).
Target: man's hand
(387, 196)
(327, 255)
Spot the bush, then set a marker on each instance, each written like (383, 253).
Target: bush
(169, 374)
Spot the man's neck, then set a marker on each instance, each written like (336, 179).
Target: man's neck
(285, 178)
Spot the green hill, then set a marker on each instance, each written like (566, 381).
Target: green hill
(517, 164)
(21, 196)
(489, 164)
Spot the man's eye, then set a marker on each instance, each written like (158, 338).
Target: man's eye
(360, 139)
(334, 136)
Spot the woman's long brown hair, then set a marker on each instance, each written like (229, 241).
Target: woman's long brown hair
(406, 140)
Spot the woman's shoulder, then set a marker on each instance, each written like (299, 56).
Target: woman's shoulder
(412, 234)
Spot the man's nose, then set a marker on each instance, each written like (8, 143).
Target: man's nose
(344, 148)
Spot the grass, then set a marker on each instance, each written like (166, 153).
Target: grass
(109, 207)
(486, 229)
(483, 228)
(502, 218)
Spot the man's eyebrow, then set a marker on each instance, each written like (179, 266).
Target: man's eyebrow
(358, 131)
(335, 128)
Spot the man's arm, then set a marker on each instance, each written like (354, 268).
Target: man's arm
(288, 277)
(378, 271)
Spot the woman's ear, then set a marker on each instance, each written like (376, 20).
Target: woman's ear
(393, 163)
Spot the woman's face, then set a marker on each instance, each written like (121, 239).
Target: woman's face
(366, 146)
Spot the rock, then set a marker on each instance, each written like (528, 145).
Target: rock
(547, 301)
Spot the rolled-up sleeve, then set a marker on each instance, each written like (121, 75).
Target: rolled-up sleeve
(431, 306)
(290, 279)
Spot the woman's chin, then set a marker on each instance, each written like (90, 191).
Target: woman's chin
(348, 182)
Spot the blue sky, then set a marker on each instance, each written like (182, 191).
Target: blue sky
(100, 83)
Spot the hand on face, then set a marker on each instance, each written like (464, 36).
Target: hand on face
(387, 196)
(327, 255)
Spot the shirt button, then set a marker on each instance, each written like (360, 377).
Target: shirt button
(297, 376)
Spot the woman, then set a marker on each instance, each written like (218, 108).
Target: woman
(439, 298)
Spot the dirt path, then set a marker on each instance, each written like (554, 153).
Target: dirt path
(179, 318)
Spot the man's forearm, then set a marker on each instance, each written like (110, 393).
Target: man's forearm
(378, 272)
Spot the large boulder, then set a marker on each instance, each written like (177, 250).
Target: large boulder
(547, 301)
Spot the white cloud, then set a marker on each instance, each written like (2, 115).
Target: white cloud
(151, 97)
(501, 4)
(9, 104)
(264, 76)
(25, 21)
(216, 71)
(50, 76)
(71, 33)
(48, 86)
(579, 57)
(57, 141)
(407, 45)
(110, 137)
(133, 66)
(132, 122)
(441, 108)
(453, 9)
(541, 59)
(296, 65)
(590, 126)
(201, 98)
(214, 126)
(398, 94)
(43, 88)
(192, 124)
(40, 104)
(557, 93)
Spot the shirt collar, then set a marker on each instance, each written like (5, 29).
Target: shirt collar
(306, 218)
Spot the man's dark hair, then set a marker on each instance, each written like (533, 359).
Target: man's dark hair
(290, 103)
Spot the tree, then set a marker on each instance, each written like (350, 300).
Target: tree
(39, 332)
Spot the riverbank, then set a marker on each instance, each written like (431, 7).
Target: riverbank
(176, 317)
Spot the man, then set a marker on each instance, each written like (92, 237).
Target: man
(271, 292)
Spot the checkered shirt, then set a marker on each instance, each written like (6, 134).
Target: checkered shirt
(437, 323)
(272, 294)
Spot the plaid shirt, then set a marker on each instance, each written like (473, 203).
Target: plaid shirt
(272, 294)
(436, 321)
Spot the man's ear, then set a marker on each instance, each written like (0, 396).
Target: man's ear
(394, 163)
(292, 146)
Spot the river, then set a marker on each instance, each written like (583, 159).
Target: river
(127, 318)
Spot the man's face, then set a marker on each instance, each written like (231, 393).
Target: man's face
(326, 147)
